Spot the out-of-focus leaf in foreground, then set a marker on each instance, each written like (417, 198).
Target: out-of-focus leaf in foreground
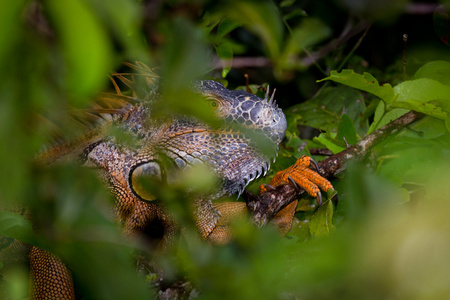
(86, 47)
(261, 18)
(9, 26)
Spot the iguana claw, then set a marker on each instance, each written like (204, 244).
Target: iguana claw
(293, 183)
(319, 199)
(316, 166)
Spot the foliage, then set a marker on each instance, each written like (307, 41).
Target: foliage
(387, 238)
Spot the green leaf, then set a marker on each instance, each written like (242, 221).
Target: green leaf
(124, 19)
(415, 95)
(365, 82)
(437, 70)
(309, 32)
(286, 3)
(209, 22)
(347, 130)
(261, 18)
(369, 192)
(225, 52)
(426, 108)
(14, 225)
(329, 143)
(325, 110)
(10, 17)
(225, 27)
(422, 90)
(184, 55)
(296, 146)
(292, 121)
(295, 13)
(426, 128)
(382, 117)
(300, 229)
(321, 222)
(86, 47)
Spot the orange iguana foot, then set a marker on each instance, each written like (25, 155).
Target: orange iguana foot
(300, 175)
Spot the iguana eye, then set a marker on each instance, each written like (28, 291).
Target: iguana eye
(214, 104)
(143, 178)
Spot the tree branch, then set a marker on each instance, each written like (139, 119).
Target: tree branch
(263, 207)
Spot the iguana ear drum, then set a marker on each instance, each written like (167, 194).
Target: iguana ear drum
(143, 179)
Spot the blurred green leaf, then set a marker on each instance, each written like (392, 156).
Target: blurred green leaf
(72, 219)
(185, 55)
(322, 220)
(300, 229)
(225, 27)
(124, 19)
(10, 12)
(16, 226)
(307, 33)
(370, 192)
(225, 52)
(185, 58)
(261, 18)
(286, 3)
(295, 13)
(86, 47)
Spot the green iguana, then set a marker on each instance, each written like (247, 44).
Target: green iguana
(164, 148)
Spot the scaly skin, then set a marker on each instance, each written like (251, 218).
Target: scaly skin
(163, 150)
(228, 153)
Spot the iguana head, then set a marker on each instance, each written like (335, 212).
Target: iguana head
(245, 109)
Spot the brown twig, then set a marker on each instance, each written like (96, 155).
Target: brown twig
(265, 206)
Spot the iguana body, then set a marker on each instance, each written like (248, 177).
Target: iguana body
(166, 148)
(163, 149)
